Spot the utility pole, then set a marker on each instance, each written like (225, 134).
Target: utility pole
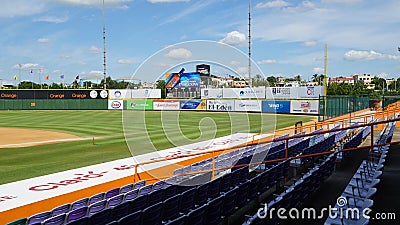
(250, 81)
(104, 50)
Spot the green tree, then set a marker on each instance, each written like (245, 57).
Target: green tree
(160, 84)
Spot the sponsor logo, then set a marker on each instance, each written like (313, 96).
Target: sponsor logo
(116, 104)
(80, 178)
(57, 96)
(103, 94)
(117, 94)
(75, 95)
(93, 94)
(275, 106)
(281, 91)
(310, 90)
(241, 93)
(12, 96)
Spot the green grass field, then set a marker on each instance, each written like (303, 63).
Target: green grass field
(22, 163)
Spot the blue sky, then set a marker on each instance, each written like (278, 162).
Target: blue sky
(54, 37)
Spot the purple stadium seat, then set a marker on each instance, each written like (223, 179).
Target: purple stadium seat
(129, 196)
(60, 210)
(96, 198)
(126, 188)
(76, 214)
(80, 203)
(111, 193)
(97, 207)
(38, 218)
(116, 200)
(56, 220)
(139, 184)
(145, 190)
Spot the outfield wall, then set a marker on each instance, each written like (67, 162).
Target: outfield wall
(220, 105)
(247, 100)
(53, 99)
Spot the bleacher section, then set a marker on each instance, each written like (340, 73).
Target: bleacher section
(361, 189)
(192, 197)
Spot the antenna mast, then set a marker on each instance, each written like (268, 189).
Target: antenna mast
(250, 81)
(104, 50)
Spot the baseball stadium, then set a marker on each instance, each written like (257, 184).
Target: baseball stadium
(198, 134)
(68, 157)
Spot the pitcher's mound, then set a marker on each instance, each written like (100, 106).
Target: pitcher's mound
(20, 137)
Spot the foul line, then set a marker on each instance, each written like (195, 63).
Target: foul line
(33, 143)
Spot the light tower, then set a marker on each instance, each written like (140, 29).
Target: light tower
(104, 49)
(249, 37)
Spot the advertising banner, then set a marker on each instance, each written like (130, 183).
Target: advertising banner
(220, 105)
(309, 92)
(53, 94)
(211, 93)
(276, 106)
(120, 94)
(166, 104)
(243, 93)
(116, 104)
(304, 106)
(279, 92)
(193, 104)
(183, 85)
(145, 93)
(139, 104)
(248, 106)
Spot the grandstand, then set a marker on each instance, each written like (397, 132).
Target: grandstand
(342, 162)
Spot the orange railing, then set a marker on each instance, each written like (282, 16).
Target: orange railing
(387, 115)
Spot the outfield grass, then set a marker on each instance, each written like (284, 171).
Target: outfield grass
(106, 126)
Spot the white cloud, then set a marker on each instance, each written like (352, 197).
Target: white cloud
(27, 66)
(179, 53)
(195, 7)
(126, 61)
(383, 75)
(272, 4)
(43, 40)
(116, 3)
(183, 37)
(95, 72)
(235, 63)
(243, 71)
(165, 1)
(14, 8)
(347, 2)
(95, 50)
(267, 61)
(309, 43)
(354, 55)
(51, 19)
(302, 7)
(234, 38)
(318, 70)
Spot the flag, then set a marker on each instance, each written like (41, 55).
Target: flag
(77, 77)
(47, 77)
(15, 77)
(62, 76)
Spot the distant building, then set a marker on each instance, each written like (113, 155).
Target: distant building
(148, 85)
(312, 83)
(239, 83)
(340, 80)
(363, 78)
